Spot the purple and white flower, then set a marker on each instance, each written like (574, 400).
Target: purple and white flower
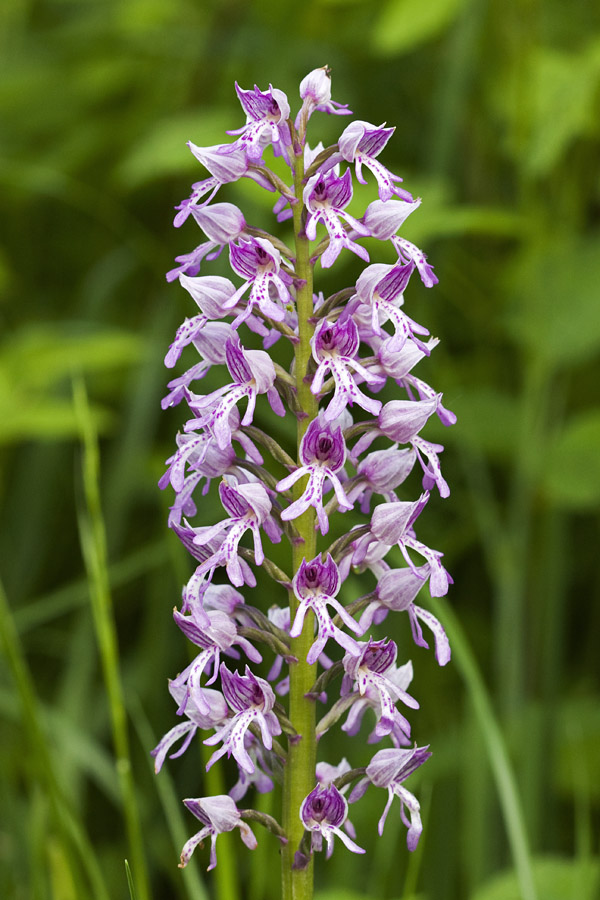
(360, 143)
(253, 373)
(322, 454)
(267, 113)
(372, 672)
(323, 813)
(326, 197)
(218, 815)
(251, 700)
(315, 586)
(249, 507)
(335, 345)
(389, 769)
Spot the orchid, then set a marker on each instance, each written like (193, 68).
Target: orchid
(334, 354)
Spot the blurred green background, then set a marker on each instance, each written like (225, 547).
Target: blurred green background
(497, 112)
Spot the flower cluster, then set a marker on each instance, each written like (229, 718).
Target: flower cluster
(334, 356)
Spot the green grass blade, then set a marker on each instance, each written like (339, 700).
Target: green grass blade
(93, 545)
(67, 822)
(495, 745)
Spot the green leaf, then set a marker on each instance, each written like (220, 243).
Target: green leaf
(577, 768)
(564, 103)
(487, 421)
(35, 360)
(555, 879)
(572, 471)
(555, 310)
(404, 24)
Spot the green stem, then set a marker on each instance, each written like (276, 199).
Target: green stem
(300, 768)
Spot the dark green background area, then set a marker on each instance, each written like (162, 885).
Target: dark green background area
(496, 108)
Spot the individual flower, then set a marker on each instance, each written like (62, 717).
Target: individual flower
(259, 262)
(360, 143)
(253, 373)
(267, 113)
(252, 701)
(389, 769)
(218, 815)
(221, 222)
(323, 813)
(222, 170)
(212, 715)
(381, 288)
(391, 523)
(334, 346)
(315, 586)
(369, 672)
(219, 636)
(326, 197)
(315, 92)
(322, 454)
(396, 590)
(248, 506)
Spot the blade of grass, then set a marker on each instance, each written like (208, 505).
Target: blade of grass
(93, 545)
(130, 884)
(70, 827)
(495, 745)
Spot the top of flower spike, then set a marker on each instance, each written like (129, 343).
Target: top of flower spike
(315, 91)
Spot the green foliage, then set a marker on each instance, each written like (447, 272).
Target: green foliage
(565, 94)
(555, 309)
(405, 24)
(37, 361)
(572, 476)
(555, 878)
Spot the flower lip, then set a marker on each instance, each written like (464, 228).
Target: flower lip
(323, 444)
(378, 656)
(324, 806)
(317, 576)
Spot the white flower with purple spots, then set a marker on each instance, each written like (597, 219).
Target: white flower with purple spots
(322, 454)
(253, 373)
(334, 345)
(323, 813)
(389, 769)
(267, 113)
(360, 143)
(248, 506)
(315, 586)
(218, 815)
(252, 700)
(326, 197)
